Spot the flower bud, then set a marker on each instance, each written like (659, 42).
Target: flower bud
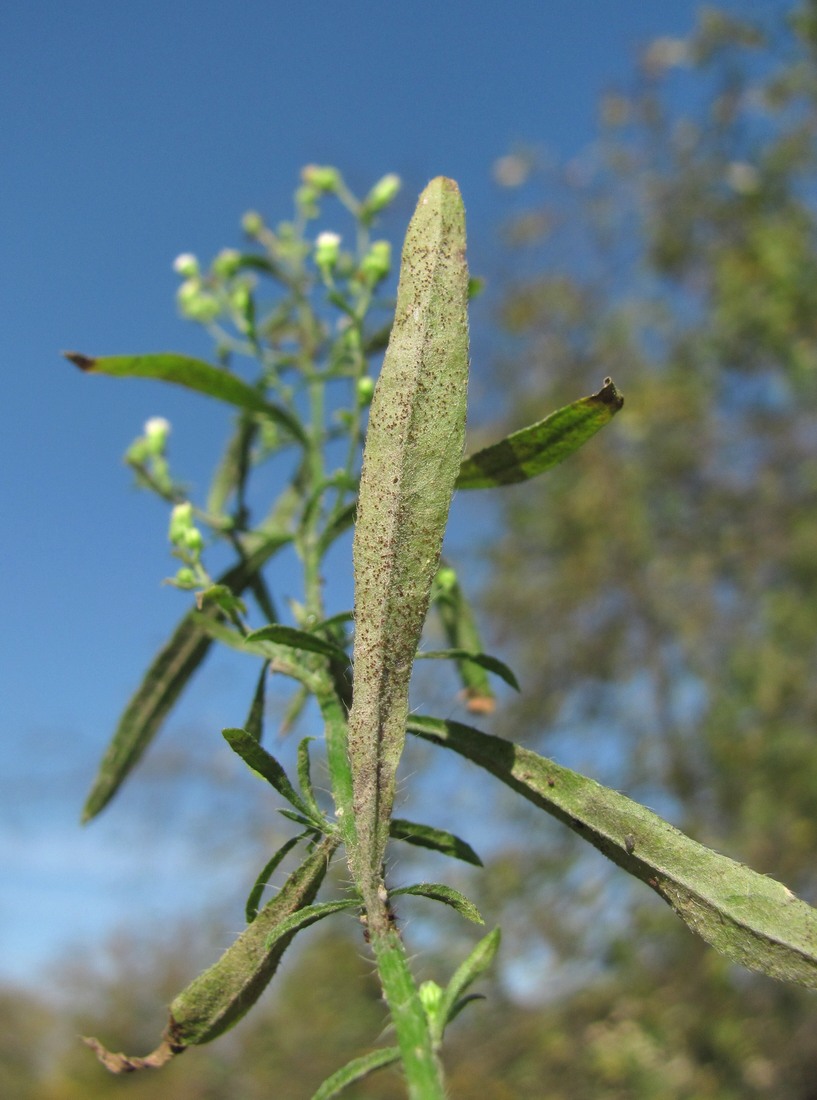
(252, 223)
(156, 429)
(327, 247)
(321, 178)
(446, 579)
(186, 265)
(431, 996)
(181, 520)
(193, 540)
(383, 192)
(227, 263)
(365, 390)
(196, 304)
(376, 264)
(306, 199)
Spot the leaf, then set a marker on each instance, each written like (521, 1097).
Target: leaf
(484, 660)
(218, 998)
(231, 474)
(254, 724)
(305, 777)
(311, 914)
(411, 461)
(299, 819)
(193, 374)
(532, 450)
(424, 836)
(333, 621)
(338, 523)
(462, 1003)
(461, 632)
(466, 974)
(438, 891)
(746, 916)
(297, 639)
(294, 709)
(165, 680)
(262, 882)
(257, 758)
(356, 1070)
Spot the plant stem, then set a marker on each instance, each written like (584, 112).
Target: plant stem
(309, 540)
(424, 1073)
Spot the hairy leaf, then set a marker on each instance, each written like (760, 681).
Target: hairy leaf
(412, 457)
(193, 374)
(748, 917)
(163, 683)
(297, 639)
(356, 1070)
(438, 891)
(219, 997)
(438, 840)
(484, 660)
(466, 974)
(257, 758)
(534, 449)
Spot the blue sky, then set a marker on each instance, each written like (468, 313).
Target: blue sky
(131, 133)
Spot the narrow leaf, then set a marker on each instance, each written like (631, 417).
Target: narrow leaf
(356, 1070)
(305, 777)
(163, 683)
(339, 523)
(534, 449)
(438, 891)
(255, 719)
(748, 917)
(412, 457)
(311, 914)
(262, 882)
(297, 639)
(299, 819)
(466, 974)
(294, 709)
(219, 997)
(484, 660)
(424, 836)
(231, 473)
(461, 631)
(193, 374)
(462, 1003)
(257, 758)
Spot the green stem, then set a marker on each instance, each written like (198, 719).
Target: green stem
(309, 541)
(424, 1074)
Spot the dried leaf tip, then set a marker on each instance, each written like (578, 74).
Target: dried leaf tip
(84, 362)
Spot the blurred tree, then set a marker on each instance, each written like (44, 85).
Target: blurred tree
(658, 593)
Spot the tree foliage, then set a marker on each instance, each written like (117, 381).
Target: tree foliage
(676, 560)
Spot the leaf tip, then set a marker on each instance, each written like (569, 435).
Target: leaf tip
(84, 362)
(609, 395)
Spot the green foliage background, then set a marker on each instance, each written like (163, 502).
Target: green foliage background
(657, 596)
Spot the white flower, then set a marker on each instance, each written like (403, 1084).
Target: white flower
(186, 265)
(327, 240)
(157, 425)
